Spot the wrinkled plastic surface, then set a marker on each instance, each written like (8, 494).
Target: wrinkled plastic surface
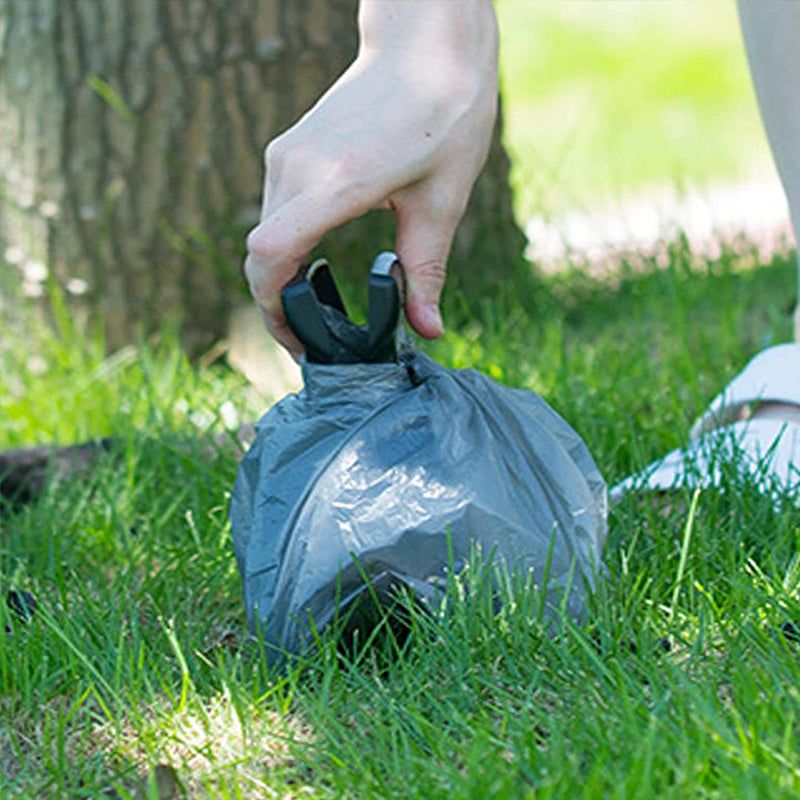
(367, 469)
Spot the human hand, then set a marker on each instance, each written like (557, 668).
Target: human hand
(407, 127)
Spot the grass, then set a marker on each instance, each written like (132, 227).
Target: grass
(607, 98)
(135, 678)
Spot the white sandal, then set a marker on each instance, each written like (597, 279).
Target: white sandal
(753, 423)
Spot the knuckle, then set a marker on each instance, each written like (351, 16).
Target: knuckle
(261, 244)
(254, 277)
(272, 241)
(432, 271)
(275, 152)
(263, 255)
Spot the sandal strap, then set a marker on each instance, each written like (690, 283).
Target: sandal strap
(772, 376)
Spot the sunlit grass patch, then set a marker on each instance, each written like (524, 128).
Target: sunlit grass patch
(213, 746)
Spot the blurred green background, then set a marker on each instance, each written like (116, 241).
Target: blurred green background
(607, 98)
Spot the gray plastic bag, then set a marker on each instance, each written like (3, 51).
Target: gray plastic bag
(364, 475)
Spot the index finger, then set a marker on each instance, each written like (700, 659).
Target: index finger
(280, 330)
(279, 245)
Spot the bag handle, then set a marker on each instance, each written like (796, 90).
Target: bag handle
(301, 305)
(386, 290)
(317, 316)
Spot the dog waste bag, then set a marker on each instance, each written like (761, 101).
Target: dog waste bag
(387, 470)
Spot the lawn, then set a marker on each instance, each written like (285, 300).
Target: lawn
(134, 677)
(605, 99)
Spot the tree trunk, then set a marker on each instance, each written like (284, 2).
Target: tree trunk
(131, 142)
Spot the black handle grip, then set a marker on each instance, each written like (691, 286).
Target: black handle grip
(329, 337)
(301, 307)
(384, 314)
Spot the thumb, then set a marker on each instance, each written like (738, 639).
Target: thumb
(423, 249)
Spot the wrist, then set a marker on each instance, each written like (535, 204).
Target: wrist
(458, 32)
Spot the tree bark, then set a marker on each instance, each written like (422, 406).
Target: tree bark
(131, 151)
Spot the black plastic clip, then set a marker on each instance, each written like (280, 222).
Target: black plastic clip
(301, 304)
(385, 302)
(329, 336)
